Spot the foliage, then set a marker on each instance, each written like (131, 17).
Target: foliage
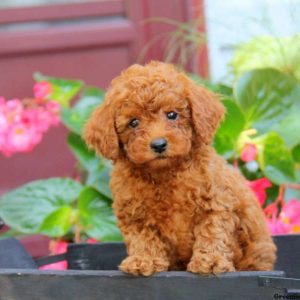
(261, 132)
(261, 136)
(62, 90)
(64, 207)
(41, 206)
(282, 54)
(258, 104)
(180, 44)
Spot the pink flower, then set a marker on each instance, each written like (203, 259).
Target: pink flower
(22, 128)
(290, 215)
(291, 210)
(43, 120)
(60, 247)
(19, 138)
(54, 109)
(42, 89)
(14, 106)
(57, 247)
(3, 122)
(249, 152)
(288, 220)
(276, 226)
(12, 110)
(259, 187)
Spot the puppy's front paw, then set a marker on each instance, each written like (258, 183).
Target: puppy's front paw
(204, 264)
(143, 265)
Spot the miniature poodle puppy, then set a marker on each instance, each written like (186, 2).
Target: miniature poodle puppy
(179, 205)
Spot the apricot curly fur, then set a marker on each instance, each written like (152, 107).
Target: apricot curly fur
(184, 209)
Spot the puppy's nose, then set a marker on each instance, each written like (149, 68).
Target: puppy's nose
(159, 145)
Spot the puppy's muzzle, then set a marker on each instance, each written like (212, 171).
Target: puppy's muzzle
(159, 145)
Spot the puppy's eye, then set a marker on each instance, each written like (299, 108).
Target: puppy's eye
(172, 115)
(134, 123)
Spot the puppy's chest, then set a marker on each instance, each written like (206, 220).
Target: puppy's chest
(170, 207)
(172, 212)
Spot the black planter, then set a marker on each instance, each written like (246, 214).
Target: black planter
(94, 275)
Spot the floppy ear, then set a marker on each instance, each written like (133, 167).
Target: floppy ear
(207, 111)
(100, 134)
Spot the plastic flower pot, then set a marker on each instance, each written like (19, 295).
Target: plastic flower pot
(93, 275)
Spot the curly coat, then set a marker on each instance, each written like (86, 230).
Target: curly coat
(184, 208)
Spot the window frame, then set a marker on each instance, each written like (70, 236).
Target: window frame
(62, 11)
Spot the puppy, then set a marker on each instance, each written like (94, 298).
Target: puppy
(179, 205)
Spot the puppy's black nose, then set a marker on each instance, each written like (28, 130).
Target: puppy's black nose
(159, 145)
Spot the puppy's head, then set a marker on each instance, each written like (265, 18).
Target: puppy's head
(153, 116)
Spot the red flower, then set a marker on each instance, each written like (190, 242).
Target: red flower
(57, 247)
(259, 187)
(249, 152)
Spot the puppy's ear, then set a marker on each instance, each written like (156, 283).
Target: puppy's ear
(207, 111)
(100, 134)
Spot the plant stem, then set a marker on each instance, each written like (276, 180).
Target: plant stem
(272, 209)
(280, 198)
(293, 186)
(77, 237)
(235, 163)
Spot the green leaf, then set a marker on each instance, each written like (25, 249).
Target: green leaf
(58, 223)
(74, 118)
(296, 153)
(25, 208)
(98, 168)
(10, 233)
(275, 159)
(278, 176)
(86, 157)
(291, 194)
(268, 52)
(99, 177)
(224, 146)
(97, 216)
(93, 92)
(230, 129)
(63, 90)
(265, 96)
(289, 126)
(234, 121)
(218, 88)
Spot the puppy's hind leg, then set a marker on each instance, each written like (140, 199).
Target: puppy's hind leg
(259, 256)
